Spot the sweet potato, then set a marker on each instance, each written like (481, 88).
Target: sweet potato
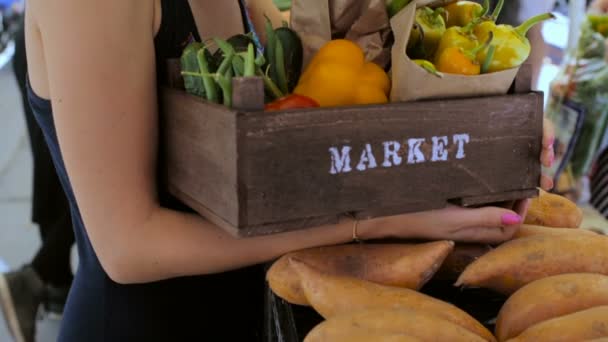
(549, 298)
(370, 337)
(583, 325)
(553, 210)
(420, 325)
(333, 296)
(519, 262)
(458, 260)
(401, 265)
(530, 230)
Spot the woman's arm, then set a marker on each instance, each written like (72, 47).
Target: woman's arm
(99, 57)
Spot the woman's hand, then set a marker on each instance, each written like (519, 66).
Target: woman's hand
(481, 225)
(484, 225)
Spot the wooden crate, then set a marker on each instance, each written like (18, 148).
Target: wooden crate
(254, 172)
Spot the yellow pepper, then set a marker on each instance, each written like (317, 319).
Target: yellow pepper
(338, 75)
(512, 46)
(462, 13)
(456, 60)
(427, 32)
(455, 37)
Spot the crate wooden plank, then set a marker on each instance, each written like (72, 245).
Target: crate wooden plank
(200, 154)
(493, 145)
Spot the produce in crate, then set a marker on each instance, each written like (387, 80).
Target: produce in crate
(426, 33)
(550, 298)
(527, 230)
(339, 75)
(420, 324)
(512, 46)
(334, 296)
(516, 263)
(284, 54)
(401, 265)
(457, 60)
(469, 31)
(461, 13)
(580, 326)
(210, 75)
(293, 101)
(552, 210)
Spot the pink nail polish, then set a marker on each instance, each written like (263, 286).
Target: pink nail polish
(511, 219)
(552, 158)
(551, 142)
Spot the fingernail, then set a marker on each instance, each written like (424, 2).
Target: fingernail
(551, 141)
(551, 157)
(511, 219)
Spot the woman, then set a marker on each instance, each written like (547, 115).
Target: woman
(148, 272)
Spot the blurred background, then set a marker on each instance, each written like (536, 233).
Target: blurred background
(19, 236)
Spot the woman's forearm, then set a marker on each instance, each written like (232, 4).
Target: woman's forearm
(173, 244)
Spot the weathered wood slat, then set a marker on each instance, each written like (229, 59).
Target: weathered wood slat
(200, 153)
(293, 150)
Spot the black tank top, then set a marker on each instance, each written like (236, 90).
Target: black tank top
(223, 307)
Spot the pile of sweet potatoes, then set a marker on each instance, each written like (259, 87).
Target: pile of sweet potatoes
(555, 278)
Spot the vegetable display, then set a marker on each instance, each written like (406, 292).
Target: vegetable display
(209, 75)
(401, 265)
(555, 281)
(334, 296)
(550, 298)
(462, 38)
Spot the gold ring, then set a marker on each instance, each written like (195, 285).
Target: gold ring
(355, 237)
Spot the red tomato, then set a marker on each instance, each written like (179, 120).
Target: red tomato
(292, 101)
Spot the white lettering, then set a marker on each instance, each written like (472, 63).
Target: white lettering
(461, 139)
(439, 151)
(415, 155)
(390, 151)
(367, 157)
(340, 162)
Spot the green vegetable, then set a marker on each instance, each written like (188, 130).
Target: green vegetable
(238, 66)
(224, 80)
(293, 55)
(189, 63)
(236, 44)
(489, 56)
(250, 62)
(284, 69)
(210, 87)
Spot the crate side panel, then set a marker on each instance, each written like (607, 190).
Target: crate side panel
(471, 147)
(200, 154)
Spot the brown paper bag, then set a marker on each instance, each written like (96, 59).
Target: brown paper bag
(362, 21)
(410, 82)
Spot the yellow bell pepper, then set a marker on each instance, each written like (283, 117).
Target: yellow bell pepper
(338, 75)
(462, 13)
(512, 46)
